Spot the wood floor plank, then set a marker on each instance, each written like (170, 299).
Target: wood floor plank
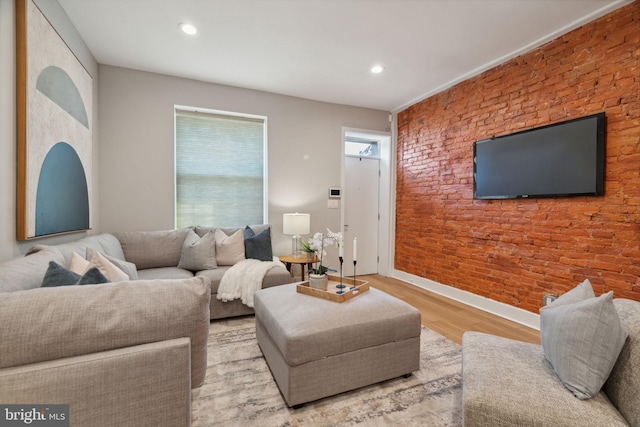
(449, 317)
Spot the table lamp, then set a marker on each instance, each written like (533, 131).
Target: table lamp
(296, 224)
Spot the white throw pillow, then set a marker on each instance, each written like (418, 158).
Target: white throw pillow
(128, 267)
(229, 249)
(79, 265)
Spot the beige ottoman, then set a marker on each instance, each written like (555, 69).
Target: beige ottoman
(317, 348)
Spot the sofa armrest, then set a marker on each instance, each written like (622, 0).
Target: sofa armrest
(53, 323)
(508, 383)
(144, 385)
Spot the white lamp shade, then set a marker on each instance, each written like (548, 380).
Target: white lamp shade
(296, 223)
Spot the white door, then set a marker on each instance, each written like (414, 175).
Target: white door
(361, 214)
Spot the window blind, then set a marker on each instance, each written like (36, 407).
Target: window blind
(219, 169)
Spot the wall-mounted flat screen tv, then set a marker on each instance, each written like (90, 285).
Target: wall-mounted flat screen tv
(563, 159)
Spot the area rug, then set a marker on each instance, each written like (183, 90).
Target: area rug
(240, 391)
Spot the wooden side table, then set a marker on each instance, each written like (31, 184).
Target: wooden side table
(289, 260)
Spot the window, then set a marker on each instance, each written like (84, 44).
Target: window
(220, 168)
(355, 146)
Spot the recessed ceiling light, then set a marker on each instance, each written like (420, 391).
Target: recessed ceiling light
(188, 29)
(377, 69)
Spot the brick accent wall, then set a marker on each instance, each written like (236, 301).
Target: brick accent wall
(515, 251)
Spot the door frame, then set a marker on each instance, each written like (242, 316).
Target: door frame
(384, 192)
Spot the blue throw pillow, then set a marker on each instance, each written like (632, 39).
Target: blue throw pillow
(92, 276)
(57, 275)
(258, 246)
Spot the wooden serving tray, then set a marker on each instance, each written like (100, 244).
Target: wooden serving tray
(331, 293)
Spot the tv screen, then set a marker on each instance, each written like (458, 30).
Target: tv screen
(563, 159)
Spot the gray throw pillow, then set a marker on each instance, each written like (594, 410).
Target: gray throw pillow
(198, 253)
(258, 246)
(582, 341)
(57, 275)
(580, 293)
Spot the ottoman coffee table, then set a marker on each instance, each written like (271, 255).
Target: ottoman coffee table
(317, 348)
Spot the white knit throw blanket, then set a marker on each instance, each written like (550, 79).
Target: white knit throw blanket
(243, 279)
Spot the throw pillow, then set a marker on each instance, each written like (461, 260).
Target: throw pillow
(57, 275)
(229, 249)
(581, 292)
(78, 264)
(127, 267)
(582, 341)
(258, 246)
(93, 276)
(198, 253)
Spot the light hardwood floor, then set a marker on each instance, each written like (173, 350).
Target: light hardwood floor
(451, 318)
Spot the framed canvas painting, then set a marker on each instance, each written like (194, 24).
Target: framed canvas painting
(54, 134)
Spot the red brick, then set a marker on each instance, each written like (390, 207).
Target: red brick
(515, 251)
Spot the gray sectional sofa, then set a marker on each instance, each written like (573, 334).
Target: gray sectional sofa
(123, 353)
(157, 256)
(511, 383)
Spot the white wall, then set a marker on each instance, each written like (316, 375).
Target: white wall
(137, 148)
(9, 247)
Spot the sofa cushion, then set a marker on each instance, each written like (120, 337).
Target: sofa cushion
(276, 276)
(27, 272)
(152, 249)
(53, 323)
(258, 246)
(229, 248)
(164, 273)
(624, 380)
(215, 276)
(104, 243)
(582, 341)
(198, 253)
(509, 383)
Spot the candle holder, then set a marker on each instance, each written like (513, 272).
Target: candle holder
(340, 286)
(354, 274)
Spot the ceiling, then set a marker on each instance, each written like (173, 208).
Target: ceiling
(324, 49)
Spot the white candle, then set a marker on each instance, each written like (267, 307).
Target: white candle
(355, 248)
(340, 249)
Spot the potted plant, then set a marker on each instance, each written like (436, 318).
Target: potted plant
(318, 278)
(307, 249)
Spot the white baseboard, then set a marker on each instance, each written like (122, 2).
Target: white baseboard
(501, 309)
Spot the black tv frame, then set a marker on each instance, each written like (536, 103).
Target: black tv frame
(600, 159)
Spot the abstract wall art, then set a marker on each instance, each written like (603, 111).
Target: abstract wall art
(54, 134)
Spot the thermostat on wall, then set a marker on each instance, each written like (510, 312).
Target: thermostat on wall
(335, 192)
